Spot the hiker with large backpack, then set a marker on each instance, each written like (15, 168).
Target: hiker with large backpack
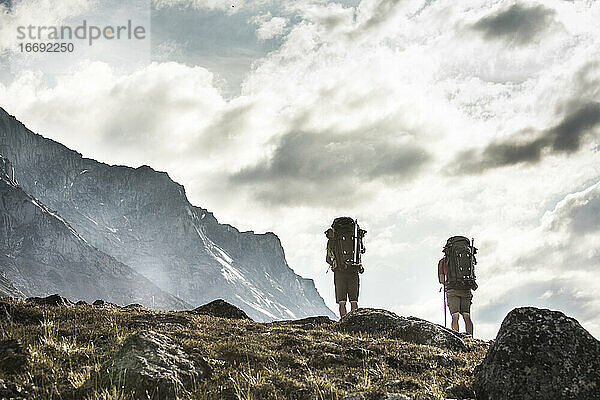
(344, 250)
(456, 271)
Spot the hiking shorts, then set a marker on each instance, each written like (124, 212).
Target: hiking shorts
(346, 285)
(459, 301)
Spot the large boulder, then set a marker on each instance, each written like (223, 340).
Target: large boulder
(369, 320)
(221, 308)
(151, 365)
(52, 300)
(540, 354)
(411, 329)
(419, 331)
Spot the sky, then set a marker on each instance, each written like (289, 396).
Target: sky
(422, 119)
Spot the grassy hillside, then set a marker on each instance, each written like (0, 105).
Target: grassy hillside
(65, 347)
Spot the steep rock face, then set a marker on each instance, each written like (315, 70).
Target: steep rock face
(540, 354)
(41, 254)
(7, 289)
(143, 219)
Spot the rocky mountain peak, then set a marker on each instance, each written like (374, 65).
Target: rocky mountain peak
(143, 219)
(41, 253)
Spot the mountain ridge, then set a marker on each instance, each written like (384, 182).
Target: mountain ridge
(41, 253)
(144, 219)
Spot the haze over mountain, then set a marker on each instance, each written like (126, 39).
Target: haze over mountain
(41, 254)
(144, 220)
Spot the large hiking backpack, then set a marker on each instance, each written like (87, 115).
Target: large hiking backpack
(460, 256)
(347, 244)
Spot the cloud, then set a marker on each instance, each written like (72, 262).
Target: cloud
(565, 137)
(558, 267)
(331, 166)
(173, 104)
(269, 26)
(518, 25)
(573, 295)
(375, 14)
(577, 214)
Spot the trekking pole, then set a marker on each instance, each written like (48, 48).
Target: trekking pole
(472, 258)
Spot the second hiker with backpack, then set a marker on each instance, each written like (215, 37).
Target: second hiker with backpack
(456, 271)
(344, 250)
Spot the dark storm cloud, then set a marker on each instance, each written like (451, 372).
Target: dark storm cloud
(565, 137)
(518, 25)
(308, 167)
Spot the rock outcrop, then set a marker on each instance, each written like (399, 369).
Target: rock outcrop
(41, 254)
(540, 354)
(52, 300)
(221, 308)
(152, 366)
(144, 220)
(411, 329)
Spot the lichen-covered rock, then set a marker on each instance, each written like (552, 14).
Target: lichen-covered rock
(369, 320)
(13, 356)
(419, 331)
(540, 354)
(151, 365)
(52, 300)
(221, 308)
(411, 329)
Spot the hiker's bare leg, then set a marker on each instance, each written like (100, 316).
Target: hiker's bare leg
(455, 318)
(353, 305)
(342, 308)
(468, 323)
